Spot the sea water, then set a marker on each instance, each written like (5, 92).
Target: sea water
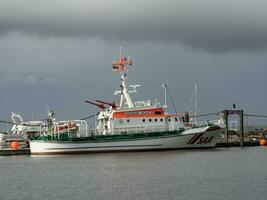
(222, 173)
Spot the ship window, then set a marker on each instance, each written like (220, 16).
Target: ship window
(157, 112)
(144, 120)
(150, 120)
(161, 119)
(156, 119)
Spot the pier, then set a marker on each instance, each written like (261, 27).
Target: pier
(11, 152)
(249, 138)
(240, 113)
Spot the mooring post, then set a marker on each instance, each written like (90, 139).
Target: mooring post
(226, 135)
(226, 114)
(241, 115)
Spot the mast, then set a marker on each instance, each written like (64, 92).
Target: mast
(195, 95)
(122, 66)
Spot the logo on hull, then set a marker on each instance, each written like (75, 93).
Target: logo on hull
(200, 139)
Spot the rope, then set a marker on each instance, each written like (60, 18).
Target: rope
(252, 115)
(6, 122)
(22, 123)
(208, 114)
(169, 93)
(89, 116)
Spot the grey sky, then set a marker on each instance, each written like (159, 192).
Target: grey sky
(212, 25)
(59, 53)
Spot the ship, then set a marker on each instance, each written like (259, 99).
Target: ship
(124, 126)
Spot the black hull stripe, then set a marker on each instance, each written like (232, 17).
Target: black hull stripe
(192, 138)
(196, 138)
(121, 150)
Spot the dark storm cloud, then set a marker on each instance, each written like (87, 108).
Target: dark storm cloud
(212, 25)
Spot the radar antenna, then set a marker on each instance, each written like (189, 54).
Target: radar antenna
(122, 66)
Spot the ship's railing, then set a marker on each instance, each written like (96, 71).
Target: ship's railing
(120, 131)
(83, 129)
(219, 123)
(73, 129)
(147, 103)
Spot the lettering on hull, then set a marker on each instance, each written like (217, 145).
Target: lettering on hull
(199, 138)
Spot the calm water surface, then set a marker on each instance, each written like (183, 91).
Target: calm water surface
(225, 173)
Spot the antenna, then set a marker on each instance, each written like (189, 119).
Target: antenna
(167, 90)
(134, 88)
(164, 85)
(117, 92)
(122, 65)
(120, 53)
(32, 115)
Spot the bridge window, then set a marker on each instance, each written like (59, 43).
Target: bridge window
(158, 113)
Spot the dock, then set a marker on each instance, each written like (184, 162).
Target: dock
(10, 152)
(237, 144)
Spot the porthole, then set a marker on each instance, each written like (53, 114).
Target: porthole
(144, 120)
(150, 120)
(156, 119)
(161, 119)
(170, 119)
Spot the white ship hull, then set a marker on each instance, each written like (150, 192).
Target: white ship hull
(194, 138)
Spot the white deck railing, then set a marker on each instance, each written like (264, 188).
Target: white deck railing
(208, 123)
(83, 129)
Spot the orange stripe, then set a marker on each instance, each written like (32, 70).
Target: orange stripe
(143, 113)
(172, 115)
(140, 113)
(137, 116)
